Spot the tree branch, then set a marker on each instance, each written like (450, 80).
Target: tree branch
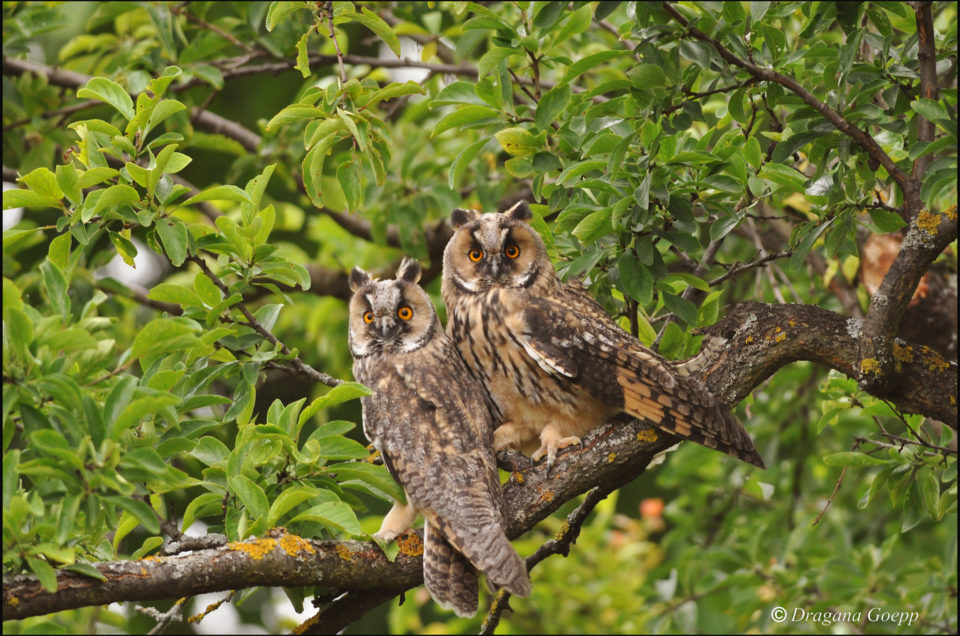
(740, 352)
(927, 57)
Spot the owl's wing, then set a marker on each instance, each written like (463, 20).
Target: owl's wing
(570, 336)
(436, 438)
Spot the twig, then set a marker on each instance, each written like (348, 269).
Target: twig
(327, 7)
(181, 10)
(175, 613)
(836, 489)
(561, 544)
(301, 366)
(67, 110)
(747, 266)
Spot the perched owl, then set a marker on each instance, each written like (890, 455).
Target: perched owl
(431, 422)
(554, 363)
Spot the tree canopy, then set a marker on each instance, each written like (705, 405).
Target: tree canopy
(763, 192)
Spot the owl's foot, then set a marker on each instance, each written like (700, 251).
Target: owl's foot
(398, 520)
(551, 442)
(506, 436)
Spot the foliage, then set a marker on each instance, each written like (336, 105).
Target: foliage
(654, 165)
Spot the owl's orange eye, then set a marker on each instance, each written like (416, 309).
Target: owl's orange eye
(404, 313)
(512, 251)
(475, 255)
(368, 317)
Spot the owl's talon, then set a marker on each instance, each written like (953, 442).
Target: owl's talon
(550, 447)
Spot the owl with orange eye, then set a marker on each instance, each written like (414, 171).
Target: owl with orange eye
(432, 423)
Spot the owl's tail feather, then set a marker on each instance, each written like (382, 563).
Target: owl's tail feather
(489, 550)
(448, 575)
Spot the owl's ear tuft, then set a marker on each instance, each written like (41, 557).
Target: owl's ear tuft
(461, 217)
(519, 212)
(409, 270)
(359, 278)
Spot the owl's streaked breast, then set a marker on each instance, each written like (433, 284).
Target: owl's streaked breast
(523, 392)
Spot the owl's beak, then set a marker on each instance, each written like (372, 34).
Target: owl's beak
(389, 329)
(494, 267)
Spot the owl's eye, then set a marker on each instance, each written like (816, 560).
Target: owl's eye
(404, 313)
(368, 317)
(512, 251)
(475, 254)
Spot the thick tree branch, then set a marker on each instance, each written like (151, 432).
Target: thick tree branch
(740, 352)
(929, 234)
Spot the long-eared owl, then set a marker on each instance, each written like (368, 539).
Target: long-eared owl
(554, 363)
(431, 422)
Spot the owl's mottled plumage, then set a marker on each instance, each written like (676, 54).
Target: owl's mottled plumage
(554, 363)
(432, 424)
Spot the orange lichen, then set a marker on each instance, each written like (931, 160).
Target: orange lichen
(518, 476)
(294, 545)
(748, 340)
(256, 549)
(869, 365)
(902, 353)
(611, 457)
(780, 336)
(562, 531)
(928, 222)
(951, 212)
(933, 361)
(547, 495)
(13, 600)
(410, 544)
(793, 323)
(647, 435)
(344, 552)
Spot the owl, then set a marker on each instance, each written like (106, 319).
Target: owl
(554, 363)
(431, 421)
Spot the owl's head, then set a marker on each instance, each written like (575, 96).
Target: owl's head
(390, 316)
(494, 250)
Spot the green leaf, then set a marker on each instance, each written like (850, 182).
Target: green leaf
(170, 293)
(138, 409)
(173, 235)
(143, 512)
(220, 193)
(681, 307)
(85, 569)
(335, 515)
(204, 505)
(45, 573)
(288, 499)
(293, 113)
(251, 495)
(113, 197)
(464, 115)
(303, 57)
(55, 285)
(375, 23)
(280, 11)
(380, 483)
(163, 335)
(887, 221)
(105, 90)
(552, 104)
(784, 176)
(636, 280)
(464, 159)
(596, 60)
(45, 184)
(521, 142)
